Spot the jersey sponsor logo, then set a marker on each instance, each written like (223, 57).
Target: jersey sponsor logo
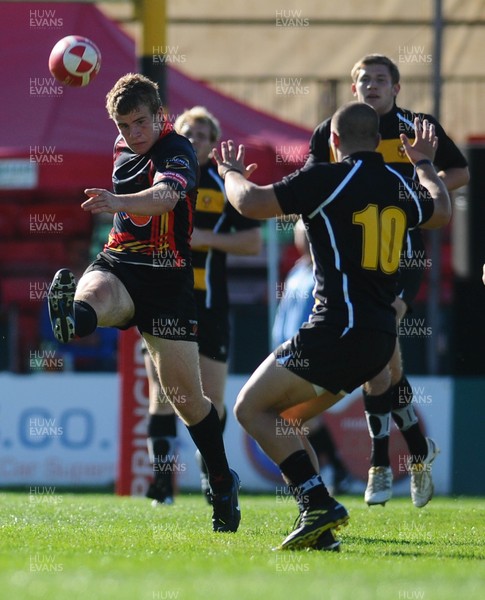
(170, 175)
(138, 220)
(177, 162)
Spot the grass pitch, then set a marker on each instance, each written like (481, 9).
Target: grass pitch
(98, 546)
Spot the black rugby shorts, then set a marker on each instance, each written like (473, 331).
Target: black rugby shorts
(213, 333)
(319, 354)
(164, 299)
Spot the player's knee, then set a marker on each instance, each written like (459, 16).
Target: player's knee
(99, 298)
(378, 384)
(108, 296)
(242, 410)
(239, 411)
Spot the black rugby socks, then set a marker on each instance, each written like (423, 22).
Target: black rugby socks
(207, 436)
(305, 483)
(85, 318)
(162, 431)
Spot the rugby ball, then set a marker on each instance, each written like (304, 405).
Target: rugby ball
(75, 61)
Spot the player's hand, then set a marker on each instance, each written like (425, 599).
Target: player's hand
(100, 201)
(425, 142)
(200, 239)
(232, 158)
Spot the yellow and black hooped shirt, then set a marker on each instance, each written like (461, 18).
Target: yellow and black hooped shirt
(391, 125)
(213, 212)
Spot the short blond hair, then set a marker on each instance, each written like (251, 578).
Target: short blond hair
(199, 114)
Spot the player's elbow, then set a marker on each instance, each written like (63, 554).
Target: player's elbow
(164, 198)
(247, 208)
(443, 209)
(441, 216)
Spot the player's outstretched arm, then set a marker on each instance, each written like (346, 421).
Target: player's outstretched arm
(249, 199)
(421, 153)
(156, 200)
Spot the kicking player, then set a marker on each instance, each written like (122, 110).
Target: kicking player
(218, 230)
(375, 81)
(143, 277)
(356, 213)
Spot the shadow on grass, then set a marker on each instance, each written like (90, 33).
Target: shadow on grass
(412, 548)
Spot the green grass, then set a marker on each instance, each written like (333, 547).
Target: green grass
(97, 547)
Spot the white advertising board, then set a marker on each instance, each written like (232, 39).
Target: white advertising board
(62, 429)
(58, 428)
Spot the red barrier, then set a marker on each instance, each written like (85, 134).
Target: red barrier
(134, 470)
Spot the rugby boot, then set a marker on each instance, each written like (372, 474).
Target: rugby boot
(226, 513)
(61, 305)
(422, 487)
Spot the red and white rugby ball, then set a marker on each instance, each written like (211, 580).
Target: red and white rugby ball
(75, 61)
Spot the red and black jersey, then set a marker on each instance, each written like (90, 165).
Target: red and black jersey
(214, 212)
(356, 213)
(161, 241)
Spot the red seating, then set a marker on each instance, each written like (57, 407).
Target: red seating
(9, 214)
(37, 237)
(36, 257)
(53, 219)
(21, 313)
(26, 293)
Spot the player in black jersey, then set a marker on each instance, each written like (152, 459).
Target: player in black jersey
(218, 230)
(144, 276)
(356, 212)
(376, 82)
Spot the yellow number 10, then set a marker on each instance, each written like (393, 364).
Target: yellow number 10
(382, 237)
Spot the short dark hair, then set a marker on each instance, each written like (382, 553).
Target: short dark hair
(376, 59)
(131, 91)
(356, 123)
